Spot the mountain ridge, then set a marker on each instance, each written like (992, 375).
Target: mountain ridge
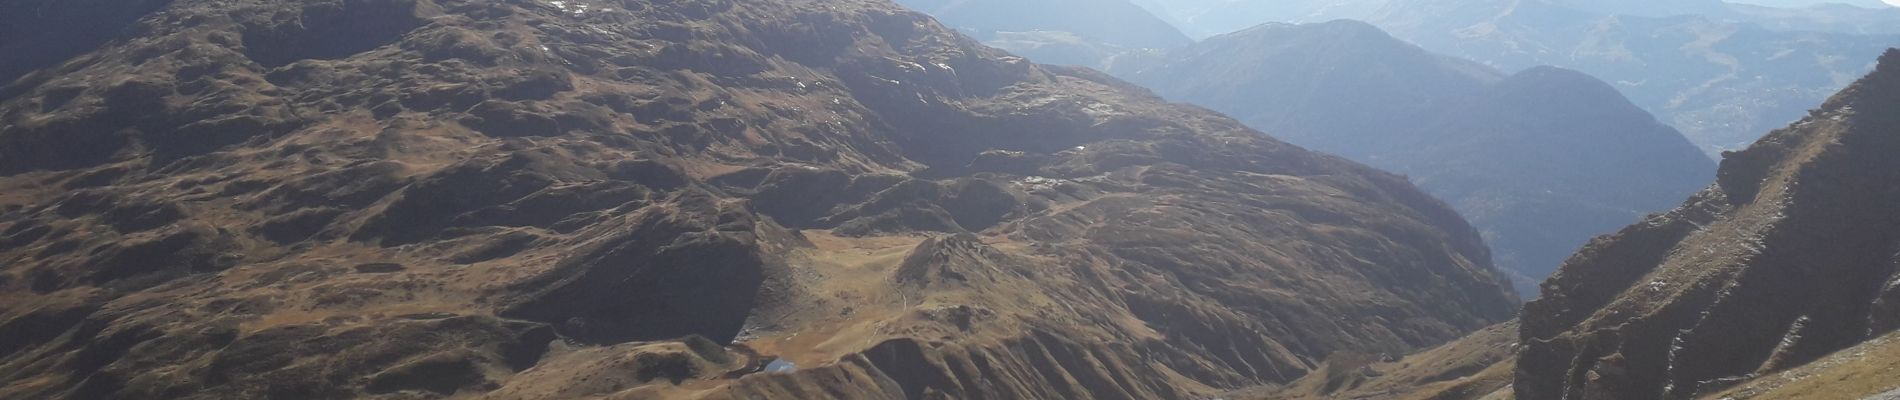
(1720, 76)
(1775, 282)
(1802, 196)
(1540, 160)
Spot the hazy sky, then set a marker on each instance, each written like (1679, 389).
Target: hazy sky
(1803, 3)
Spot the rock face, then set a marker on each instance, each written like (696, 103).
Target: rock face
(523, 199)
(1790, 256)
(1539, 161)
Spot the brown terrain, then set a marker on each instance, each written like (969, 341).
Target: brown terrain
(1476, 367)
(1789, 257)
(1781, 281)
(658, 198)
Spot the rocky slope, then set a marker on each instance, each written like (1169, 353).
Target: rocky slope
(1775, 283)
(1869, 371)
(1540, 161)
(639, 199)
(1478, 366)
(1789, 257)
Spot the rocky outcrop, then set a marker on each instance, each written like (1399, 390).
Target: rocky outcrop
(1788, 258)
(526, 199)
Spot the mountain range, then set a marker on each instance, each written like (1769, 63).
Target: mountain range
(1776, 282)
(1539, 161)
(1721, 73)
(731, 199)
(804, 199)
(1786, 259)
(1779, 281)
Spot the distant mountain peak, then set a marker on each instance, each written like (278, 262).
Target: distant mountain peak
(1342, 29)
(1542, 83)
(1540, 160)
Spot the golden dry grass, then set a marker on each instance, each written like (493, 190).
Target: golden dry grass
(1870, 369)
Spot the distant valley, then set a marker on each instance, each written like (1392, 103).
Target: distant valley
(1540, 161)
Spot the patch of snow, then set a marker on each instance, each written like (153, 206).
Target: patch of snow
(781, 366)
(910, 66)
(1101, 110)
(574, 7)
(1034, 183)
(1893, 395)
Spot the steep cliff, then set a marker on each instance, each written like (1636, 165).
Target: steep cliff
(1791, 256)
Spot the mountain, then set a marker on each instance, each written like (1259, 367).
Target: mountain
(721, 199)
(1777, 282)
(1323, 86)
(1540, 161)
(1065, 32)
(1787, 258)
(1721, 83)
(1721, 76)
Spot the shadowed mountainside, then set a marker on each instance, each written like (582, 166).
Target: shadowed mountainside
(1790, 256)
(1777, 282)
(1539, 161)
